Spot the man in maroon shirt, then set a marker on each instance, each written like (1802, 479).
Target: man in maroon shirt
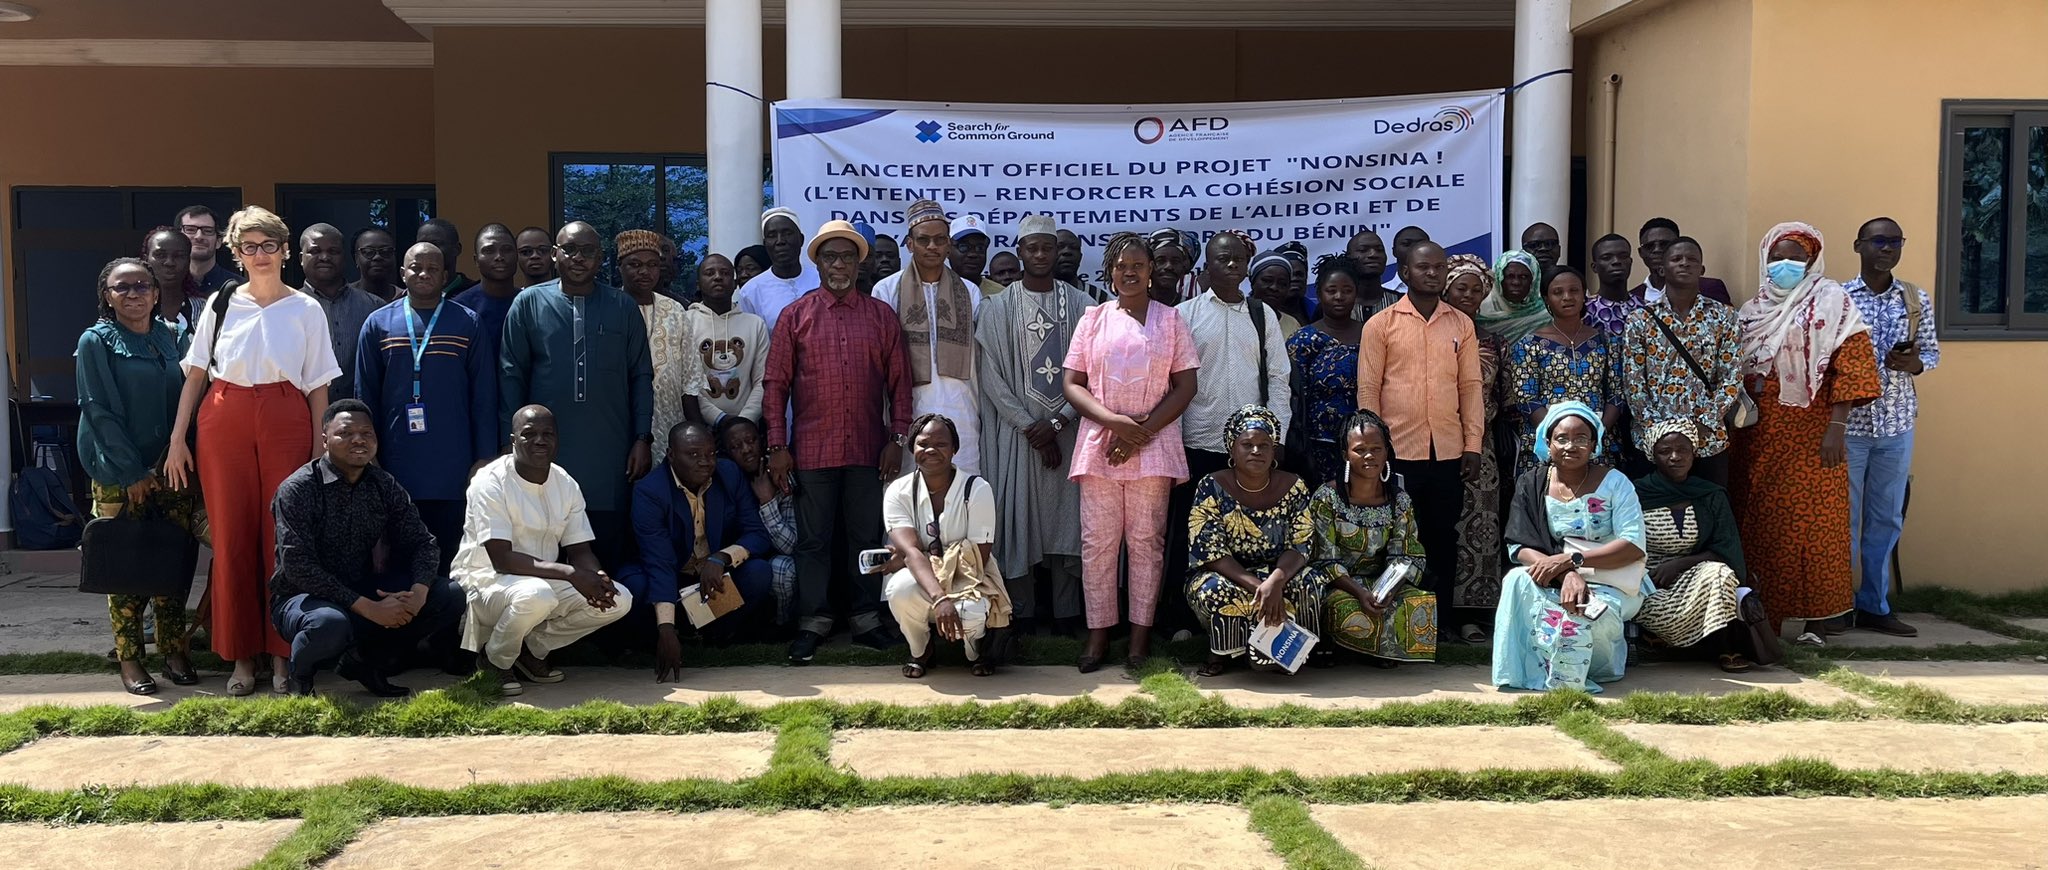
(835, 360)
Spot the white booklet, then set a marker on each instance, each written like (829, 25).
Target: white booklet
(1287, 643)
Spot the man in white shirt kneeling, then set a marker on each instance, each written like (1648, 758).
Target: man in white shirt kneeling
(525, 513)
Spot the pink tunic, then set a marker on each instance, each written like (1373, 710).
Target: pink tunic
(1129, 367)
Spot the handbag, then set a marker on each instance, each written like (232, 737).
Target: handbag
(138, 552)
(1627, 579)
(1745, 413)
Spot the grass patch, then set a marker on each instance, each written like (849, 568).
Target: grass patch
(334, 816)
(1611, 744)
(1304, 844)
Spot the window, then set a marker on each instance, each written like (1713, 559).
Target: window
(619, 192)
(62, 236)
(1994, 220)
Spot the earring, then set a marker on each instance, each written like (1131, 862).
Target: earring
(1230, 463)
(1347, 472)
(1386, 472)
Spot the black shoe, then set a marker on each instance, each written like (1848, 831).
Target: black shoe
(460, 663)
(804, 648)
(1884, 623)
(1829, 627)
(877, 638)
(354, 668)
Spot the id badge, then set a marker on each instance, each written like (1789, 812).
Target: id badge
(416, 418)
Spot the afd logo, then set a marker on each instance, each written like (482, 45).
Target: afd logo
(928, 132)
(1150, 130)
(1449, 119)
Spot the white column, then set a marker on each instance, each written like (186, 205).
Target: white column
(1542, 118)
(733, 122)
(813, 29)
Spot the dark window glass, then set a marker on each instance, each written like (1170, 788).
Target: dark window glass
(1981, 289)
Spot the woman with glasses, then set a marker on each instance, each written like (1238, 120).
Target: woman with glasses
(1576, 532)
(257, 377)
(128, 384)
(942, 525)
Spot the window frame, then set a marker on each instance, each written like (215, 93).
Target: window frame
(2016, 323)
(661, 160)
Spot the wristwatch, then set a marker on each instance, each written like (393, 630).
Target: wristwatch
(900, 440)
(1578, 559)
(1059, 424)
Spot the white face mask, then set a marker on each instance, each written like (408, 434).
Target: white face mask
(1786, 274)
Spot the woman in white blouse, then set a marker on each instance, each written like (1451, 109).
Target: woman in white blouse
(257, 374)
(941, 525)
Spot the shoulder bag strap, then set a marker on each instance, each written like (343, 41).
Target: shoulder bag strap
(1258, 312)
(1912, 296)
(219, 304)
(1680, 347)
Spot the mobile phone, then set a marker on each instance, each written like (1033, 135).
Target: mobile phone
(1594, 608)
(872, 561)
(1904, 347)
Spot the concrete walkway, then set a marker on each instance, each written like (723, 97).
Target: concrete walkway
(176, 846)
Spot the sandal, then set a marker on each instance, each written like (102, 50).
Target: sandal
(1735, 663)
(915, 669)
(241, 688)
(1807, 638)
(983, 668)
(1472, 634)
(144, 686)
(1215, 666)
(187, 677)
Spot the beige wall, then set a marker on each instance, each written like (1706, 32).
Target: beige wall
(1681, 127)
(1848, 127)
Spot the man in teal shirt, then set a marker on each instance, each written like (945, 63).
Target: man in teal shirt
(579, 347)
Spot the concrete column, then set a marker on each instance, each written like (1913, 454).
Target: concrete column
(733, 122)
(813, 27)
(1541, 152)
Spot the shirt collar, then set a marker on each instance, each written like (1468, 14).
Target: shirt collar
(328, 474)
(1858, 285)
(677, 481)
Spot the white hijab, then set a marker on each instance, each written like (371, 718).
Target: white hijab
(1795, 333)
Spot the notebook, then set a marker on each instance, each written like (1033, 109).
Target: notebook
(702, 611)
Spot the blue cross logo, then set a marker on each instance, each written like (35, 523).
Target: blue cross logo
(928, 132)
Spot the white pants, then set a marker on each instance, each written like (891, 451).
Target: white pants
(913, 610)
(544, 615)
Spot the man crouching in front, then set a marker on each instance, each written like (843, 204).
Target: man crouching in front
(524, 513)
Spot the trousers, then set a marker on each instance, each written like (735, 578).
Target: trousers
(541, 615)
(250, 440)
(1127, 514)
(753, 579)
(913, 611)
(321, 631)
(846, 500)
(1878, 471)
(1063, 574)
(1438, 491)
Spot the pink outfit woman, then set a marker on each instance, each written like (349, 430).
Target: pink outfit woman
(1129, 367)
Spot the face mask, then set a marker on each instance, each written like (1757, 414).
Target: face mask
(1786, 274)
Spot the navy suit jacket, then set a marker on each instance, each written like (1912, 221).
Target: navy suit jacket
(666, 530)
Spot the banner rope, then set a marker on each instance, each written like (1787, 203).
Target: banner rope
(1534, 79)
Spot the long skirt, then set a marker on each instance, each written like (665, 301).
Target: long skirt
(1538, 645)
(1405, 633)
(1226, 608)
(1698, 604)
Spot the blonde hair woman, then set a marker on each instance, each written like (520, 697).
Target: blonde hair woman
(257, 375)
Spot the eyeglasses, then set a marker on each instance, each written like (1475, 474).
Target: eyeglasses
(924, 241)
(1888, 243)
(1580, 441)
(131, 288)
(582, 252)
(196, 231)
(839, 259)
(251, 249)
(377, 253)
(1533, 247)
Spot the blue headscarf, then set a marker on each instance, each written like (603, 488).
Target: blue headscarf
(1556, 415)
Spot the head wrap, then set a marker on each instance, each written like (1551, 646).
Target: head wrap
(756, 253)
(837, 230)
(1268, 259)
(1460, 265)
(1248, 419)
(968, 225)
(1675, 426)
(1556, 415)
(1513, 321)
(635, 241)
(777, 212)
(1795, 333)
(1036, 225)
(921, 211)
(1165, 236)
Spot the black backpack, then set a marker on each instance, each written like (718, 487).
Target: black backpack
(44, 517)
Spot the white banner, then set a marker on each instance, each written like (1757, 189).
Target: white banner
(1316, 172)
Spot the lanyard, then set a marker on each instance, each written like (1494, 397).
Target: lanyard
(419, 344)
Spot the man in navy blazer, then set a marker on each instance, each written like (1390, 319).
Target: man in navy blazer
(697, 522)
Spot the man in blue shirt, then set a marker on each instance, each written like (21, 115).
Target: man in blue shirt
(697, 523)
(431, 386)
(497, 258)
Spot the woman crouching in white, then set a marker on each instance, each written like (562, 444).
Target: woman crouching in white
(941, 524)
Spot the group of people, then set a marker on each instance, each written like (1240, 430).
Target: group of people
(387, 471)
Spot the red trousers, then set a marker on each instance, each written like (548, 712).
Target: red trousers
(250, 440)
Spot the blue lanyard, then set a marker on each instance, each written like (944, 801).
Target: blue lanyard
(419, 345)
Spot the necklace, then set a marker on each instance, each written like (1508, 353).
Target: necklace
(1247, 489)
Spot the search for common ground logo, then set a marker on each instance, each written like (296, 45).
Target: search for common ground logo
(1449, 119)
(1150, 130)
(928, 132)
(933, 131)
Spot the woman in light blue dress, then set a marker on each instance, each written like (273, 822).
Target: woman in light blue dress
(1576, 531)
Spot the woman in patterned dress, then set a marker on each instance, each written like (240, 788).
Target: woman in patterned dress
(1806, 359)
(1248, 541)
(1570, 360)
(1479, 552)
(1325, 358)
(1365, 524)
(1695, 556)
